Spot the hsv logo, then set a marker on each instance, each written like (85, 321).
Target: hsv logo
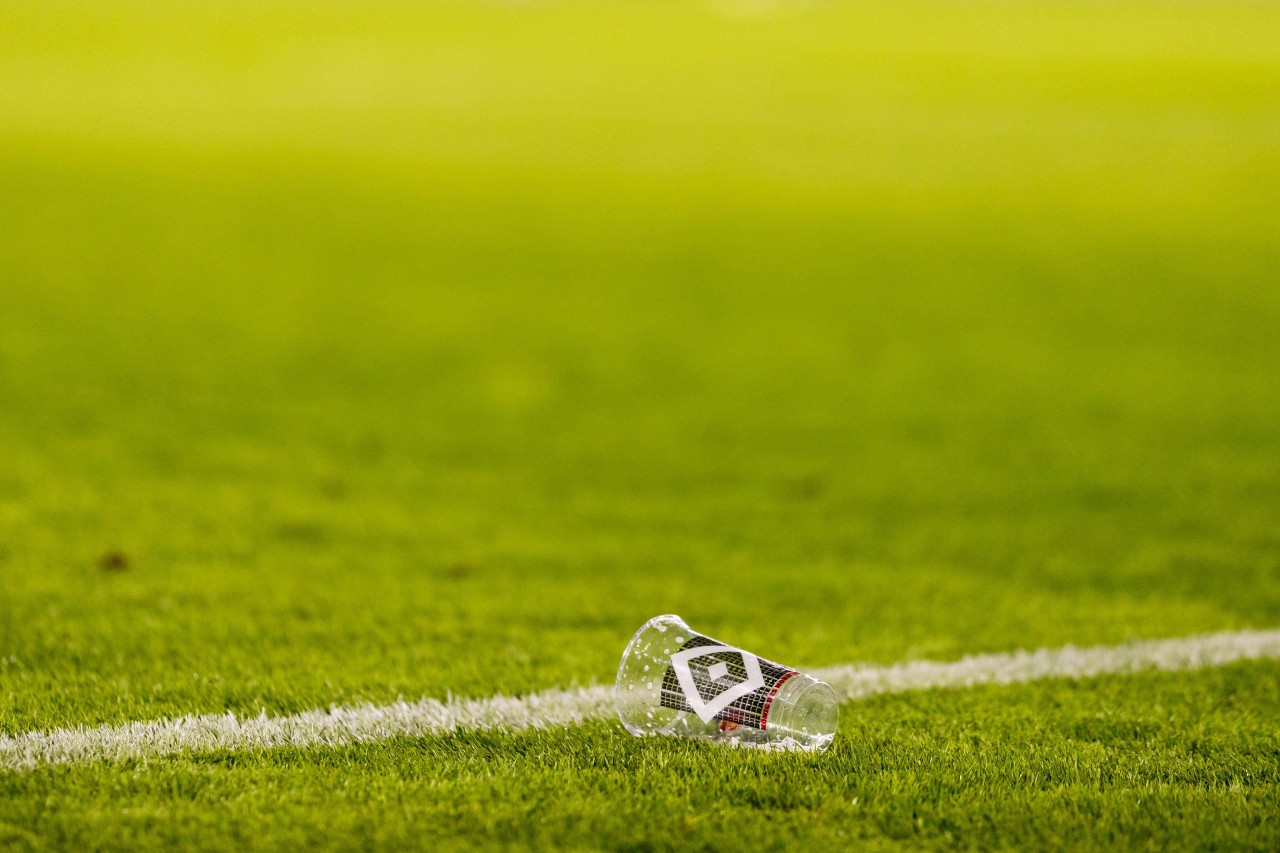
(706, 709)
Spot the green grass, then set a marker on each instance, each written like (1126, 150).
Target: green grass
(1147, 761)
(406, 349)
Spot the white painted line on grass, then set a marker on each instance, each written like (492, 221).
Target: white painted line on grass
(1199, 652)
(344, 725)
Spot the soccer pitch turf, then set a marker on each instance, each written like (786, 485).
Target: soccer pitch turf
(357, 352)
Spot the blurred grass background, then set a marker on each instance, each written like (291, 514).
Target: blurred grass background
(410, 348)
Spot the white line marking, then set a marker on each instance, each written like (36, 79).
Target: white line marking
(344, 725)
(1199, 652)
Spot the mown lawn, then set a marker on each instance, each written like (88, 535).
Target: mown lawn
(364, 350)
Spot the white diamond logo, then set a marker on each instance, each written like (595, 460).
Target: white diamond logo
(706, 710)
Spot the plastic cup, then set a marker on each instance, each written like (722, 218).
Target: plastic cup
(674, 681)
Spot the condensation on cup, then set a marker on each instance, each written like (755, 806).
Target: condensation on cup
(674, 681)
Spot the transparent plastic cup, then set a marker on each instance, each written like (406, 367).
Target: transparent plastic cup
(674, 681)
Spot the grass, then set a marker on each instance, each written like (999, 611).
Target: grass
(349, 352)
(1134, 762)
